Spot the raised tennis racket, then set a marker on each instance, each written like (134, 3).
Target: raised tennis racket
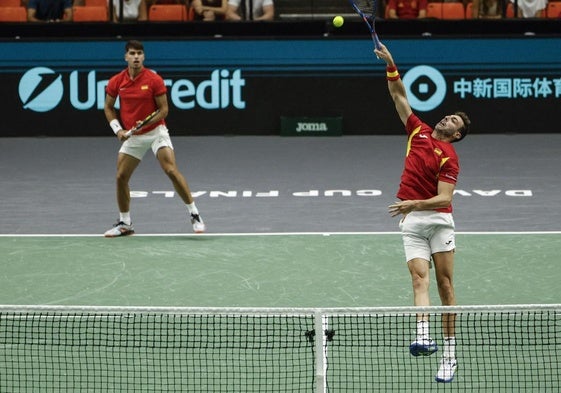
(366, 9)
(138, 126)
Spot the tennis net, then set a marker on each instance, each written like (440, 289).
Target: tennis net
(135, 349)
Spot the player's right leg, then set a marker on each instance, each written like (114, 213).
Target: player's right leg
(126, 164)
(423, 345)
(418, 256)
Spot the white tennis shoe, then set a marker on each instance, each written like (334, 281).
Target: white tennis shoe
(198, 224)
(120, 229)
(446, 370)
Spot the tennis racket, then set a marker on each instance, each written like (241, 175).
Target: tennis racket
(366, 9)
(138, 126)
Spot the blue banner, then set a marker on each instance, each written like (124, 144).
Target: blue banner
(221, 86)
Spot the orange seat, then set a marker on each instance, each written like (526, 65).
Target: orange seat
(167, 12)
(434, 10)
(553, 9)
(90, 14)
(469, 10)
(13, 14)
(510, 10)
(190, 14)
(453, 11)
(95, 3)
(10, 3)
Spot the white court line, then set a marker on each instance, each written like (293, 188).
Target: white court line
(273, 234)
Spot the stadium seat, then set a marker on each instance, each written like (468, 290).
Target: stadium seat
(90, 14)
(10, 3)
(95, 3)
(453, 11)
(13, 14)
(510, 10)
(167, 12)
(434, 10)
(553, 9)
(190, 14)
(469, 10)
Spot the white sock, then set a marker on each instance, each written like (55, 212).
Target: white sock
(449, 347)
(125, 217)
(192, 208)
(423, 329)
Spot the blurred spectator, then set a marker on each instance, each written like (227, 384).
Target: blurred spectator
(49, 10)
(240, 10)
(488, 9)
(133, 10)
(209, 10)
(407, 9)
(530, 8)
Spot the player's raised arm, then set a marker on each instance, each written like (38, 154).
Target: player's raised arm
(395, 85)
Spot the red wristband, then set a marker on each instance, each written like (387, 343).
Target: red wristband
(392, 74)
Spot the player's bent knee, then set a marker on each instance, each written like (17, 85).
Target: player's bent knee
(171, 171)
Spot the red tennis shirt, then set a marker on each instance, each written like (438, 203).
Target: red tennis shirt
(427, 161)
(407, 9)
(136, 96)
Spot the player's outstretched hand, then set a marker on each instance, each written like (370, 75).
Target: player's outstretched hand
(384, 54)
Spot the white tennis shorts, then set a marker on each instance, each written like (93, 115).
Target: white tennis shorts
(138, 145)
(427, 232)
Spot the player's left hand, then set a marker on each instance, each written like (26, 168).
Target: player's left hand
(122, 135)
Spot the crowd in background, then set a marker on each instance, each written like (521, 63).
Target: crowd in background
(472, 9)
(261, 10)
(141, 10)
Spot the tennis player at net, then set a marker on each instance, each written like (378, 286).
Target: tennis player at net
(142, 92)
(425, 200)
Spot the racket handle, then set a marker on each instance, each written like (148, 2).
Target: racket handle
(377, 42)
(128, 133)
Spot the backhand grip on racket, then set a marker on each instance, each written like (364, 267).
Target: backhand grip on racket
(141, 124)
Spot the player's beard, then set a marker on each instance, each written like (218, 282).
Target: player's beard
(444, 131)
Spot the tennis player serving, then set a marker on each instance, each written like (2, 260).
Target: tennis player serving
(425, 202)
(143, 108)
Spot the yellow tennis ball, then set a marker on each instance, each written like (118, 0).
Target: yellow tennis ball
(338, 21)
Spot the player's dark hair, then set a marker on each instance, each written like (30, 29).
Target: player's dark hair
(465, 128)
(134, 44)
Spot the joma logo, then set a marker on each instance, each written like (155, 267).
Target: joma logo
(311, 127)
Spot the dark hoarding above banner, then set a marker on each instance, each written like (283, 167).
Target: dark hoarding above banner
(247, 86)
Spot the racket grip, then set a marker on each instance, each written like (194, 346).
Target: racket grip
(377, 42)
(128, 133)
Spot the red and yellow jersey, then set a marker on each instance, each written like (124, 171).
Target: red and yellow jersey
(427, 161)
(136, 96)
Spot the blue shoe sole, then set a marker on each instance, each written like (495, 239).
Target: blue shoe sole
(417, 349)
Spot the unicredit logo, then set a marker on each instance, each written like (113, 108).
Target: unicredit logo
(42, 89)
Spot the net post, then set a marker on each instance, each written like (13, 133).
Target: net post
(320, 325)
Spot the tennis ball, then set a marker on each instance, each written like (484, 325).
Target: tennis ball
(338, 21)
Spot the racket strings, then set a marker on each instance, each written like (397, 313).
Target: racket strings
(368, 8)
